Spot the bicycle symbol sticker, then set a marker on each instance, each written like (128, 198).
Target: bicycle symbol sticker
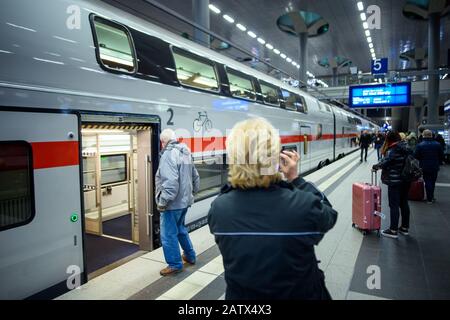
(202, 122)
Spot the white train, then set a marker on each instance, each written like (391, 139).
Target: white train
(85, 89)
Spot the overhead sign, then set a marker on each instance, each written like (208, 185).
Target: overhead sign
(380, 66)
(382, 95)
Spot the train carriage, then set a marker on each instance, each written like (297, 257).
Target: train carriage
(85, 89)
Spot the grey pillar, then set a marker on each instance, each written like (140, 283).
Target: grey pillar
(303, 56)
(200, 13)
(433, 61)
(335, 79)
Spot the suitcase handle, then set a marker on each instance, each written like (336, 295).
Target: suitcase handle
(374, 173)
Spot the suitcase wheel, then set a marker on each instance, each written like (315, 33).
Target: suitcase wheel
(353, 225)
(364, 232)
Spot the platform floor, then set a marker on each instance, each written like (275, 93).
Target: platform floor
(412, 267)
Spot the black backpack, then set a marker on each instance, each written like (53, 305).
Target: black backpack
(411, 170)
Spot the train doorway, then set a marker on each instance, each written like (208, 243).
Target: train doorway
(117, 190)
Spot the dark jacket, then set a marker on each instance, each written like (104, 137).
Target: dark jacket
(267, 238)
(379, 141)
(365, 140)
(430, 155)
(393, 164)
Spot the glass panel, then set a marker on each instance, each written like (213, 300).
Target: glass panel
(301, 104)
(15, 184)
(289, 100)
(213, 175)
(194, 73)
(114, 46)
(241, 86)
(114, 168)
(270, 94)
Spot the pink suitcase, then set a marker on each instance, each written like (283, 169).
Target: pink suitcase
(366, 206)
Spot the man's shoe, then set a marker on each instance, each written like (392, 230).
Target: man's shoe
(403, 231)
(186, 261)
(167, 271)
(389, 233)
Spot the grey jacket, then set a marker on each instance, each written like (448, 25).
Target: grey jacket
(177, 179)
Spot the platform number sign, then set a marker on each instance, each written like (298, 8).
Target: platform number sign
(380, 66)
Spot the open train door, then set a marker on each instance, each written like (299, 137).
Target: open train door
(41, 252)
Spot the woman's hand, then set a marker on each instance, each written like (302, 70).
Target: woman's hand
(288, 164)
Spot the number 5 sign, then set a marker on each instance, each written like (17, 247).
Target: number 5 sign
(380, 66)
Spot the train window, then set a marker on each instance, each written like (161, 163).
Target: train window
(194, 71)
(213, 175)
(290, 100)
(241, 85)
(270, 93)
(155, 59)
(301, 104)
(114, 45)
(114, 168)
(16, 184)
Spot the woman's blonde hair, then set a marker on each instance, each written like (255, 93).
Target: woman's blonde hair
(253, 151)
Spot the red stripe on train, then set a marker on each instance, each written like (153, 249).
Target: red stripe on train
(218, 143)
(55, 154)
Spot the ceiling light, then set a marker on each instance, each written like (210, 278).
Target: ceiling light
(369, 39)
(298, 66)
(241, 27)
(365, 25)
(294, 63)
(260, 40)
(251, 34)
(370, 45)
(367, 33)
(372, 50)
(288, 59)
(360, 6)
(269, 46)
(228, 18)
(276, 51)
(214, 9)
(363, 16)
(283, 56)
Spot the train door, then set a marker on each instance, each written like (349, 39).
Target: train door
(117, 177)
(305, 155)
(40, 203)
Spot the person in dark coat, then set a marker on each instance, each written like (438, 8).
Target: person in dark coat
(398, 187)
(430, 155)
(364, 142)
(266, 228)
(379, 141)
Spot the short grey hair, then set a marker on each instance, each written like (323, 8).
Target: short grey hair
(427, 134)
(167, 135)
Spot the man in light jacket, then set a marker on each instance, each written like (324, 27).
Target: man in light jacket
(176, 182)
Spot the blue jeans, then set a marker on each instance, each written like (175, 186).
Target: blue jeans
(173, 231)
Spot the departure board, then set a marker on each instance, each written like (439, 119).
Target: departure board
(380, 95)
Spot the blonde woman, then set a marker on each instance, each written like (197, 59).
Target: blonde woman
(267, 221)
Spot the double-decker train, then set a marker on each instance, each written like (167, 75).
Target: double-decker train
(85, 89)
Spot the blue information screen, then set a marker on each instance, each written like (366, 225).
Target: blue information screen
(383, 95)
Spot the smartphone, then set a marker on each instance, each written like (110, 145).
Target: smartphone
(287, 148)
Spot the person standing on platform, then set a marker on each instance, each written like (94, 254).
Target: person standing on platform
(266, 228)
(379, 141)
(430, 155)
(364, 142)
(411, 138)
(176, 182)
(398, 187)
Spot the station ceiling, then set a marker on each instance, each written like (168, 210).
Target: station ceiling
(346, 36)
